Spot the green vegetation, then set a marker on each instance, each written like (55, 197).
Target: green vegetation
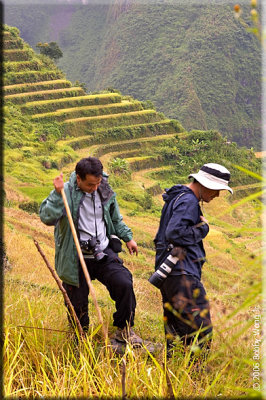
(30, 87)
(51, 50)
(44, 106)
(142, 156)
(20, 98)
(197, 64)
(88, 111)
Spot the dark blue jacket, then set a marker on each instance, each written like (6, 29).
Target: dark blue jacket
(178, 225)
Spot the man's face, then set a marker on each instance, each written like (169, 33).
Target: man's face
(208, 195)
(89, 184)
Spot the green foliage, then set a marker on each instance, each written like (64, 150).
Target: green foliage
(145, 161)
(148, 105)
(112, 90)
(200, 147)
(76, 127)
(32, 152)
(127, 132)
(184, 45)
(18, 55)
(44, 95)
(147, 201)
(36, 107)
(48, 131)
(13, 78)
(81, 84)
(87, 111)
(11, 30)
(30, 207)
(32, 87)
(17, 66)
(119, 166)
(51, 50)
(16, 43)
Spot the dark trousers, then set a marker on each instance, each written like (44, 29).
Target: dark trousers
(186, 310)
(118, 281)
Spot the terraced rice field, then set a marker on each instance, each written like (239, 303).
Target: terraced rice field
(109, 125)
(47, 96)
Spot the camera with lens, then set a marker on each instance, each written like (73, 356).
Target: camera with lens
(91, 247)
(177, 254)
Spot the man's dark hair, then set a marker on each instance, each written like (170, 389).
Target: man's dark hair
(91, 166)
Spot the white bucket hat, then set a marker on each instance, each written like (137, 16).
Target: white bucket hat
(213, 176)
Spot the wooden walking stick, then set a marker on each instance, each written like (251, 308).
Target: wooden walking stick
(83, 264)
(67, 300)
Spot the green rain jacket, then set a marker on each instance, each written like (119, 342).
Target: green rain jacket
(52, 212)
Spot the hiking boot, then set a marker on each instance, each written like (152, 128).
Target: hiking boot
(128, 335)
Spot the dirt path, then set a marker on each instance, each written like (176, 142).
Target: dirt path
(141, 178)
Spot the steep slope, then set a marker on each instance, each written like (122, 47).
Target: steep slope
(41, 107)
(142, 157)
(195, 62)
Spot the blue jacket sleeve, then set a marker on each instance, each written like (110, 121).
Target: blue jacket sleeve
(182, 228)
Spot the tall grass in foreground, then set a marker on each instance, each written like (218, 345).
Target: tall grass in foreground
(46, 363)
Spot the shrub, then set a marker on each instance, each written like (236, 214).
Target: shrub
(147, 201)
(30, 207)
(119, 166)
(51, 50)
(148, 105)
(112, 90)
(81, 84)
(48, 131)
(27, 153)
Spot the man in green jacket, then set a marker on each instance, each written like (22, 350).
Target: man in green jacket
(99, 224)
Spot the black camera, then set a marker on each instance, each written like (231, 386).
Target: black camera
(91, 247)
(158, 277)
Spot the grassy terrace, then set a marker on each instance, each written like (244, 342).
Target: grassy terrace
(18, 55)
(124, 132)
(18, 66)
(131, 145)
(88, 111)
(12, 78)
(10, 44)
(21, 98)
(76, 126)
(104, 117)
(52, 105)
(36, 86)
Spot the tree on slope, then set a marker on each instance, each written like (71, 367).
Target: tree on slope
(51, 50)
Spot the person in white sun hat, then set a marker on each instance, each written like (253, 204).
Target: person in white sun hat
(213, 176)
(183, 226)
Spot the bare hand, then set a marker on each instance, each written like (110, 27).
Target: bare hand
(204, 219)
(59, 183)
(132, 247)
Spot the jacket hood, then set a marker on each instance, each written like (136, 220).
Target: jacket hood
(73, 179)
(174, 191)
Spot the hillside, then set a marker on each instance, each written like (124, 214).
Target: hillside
(196, 63)
(49, 125)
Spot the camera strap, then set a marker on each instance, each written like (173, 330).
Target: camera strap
(93, 201)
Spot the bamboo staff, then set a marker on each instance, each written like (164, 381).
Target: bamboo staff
(83, 264)
(67, 300)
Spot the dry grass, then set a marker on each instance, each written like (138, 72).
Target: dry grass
(44, 363)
